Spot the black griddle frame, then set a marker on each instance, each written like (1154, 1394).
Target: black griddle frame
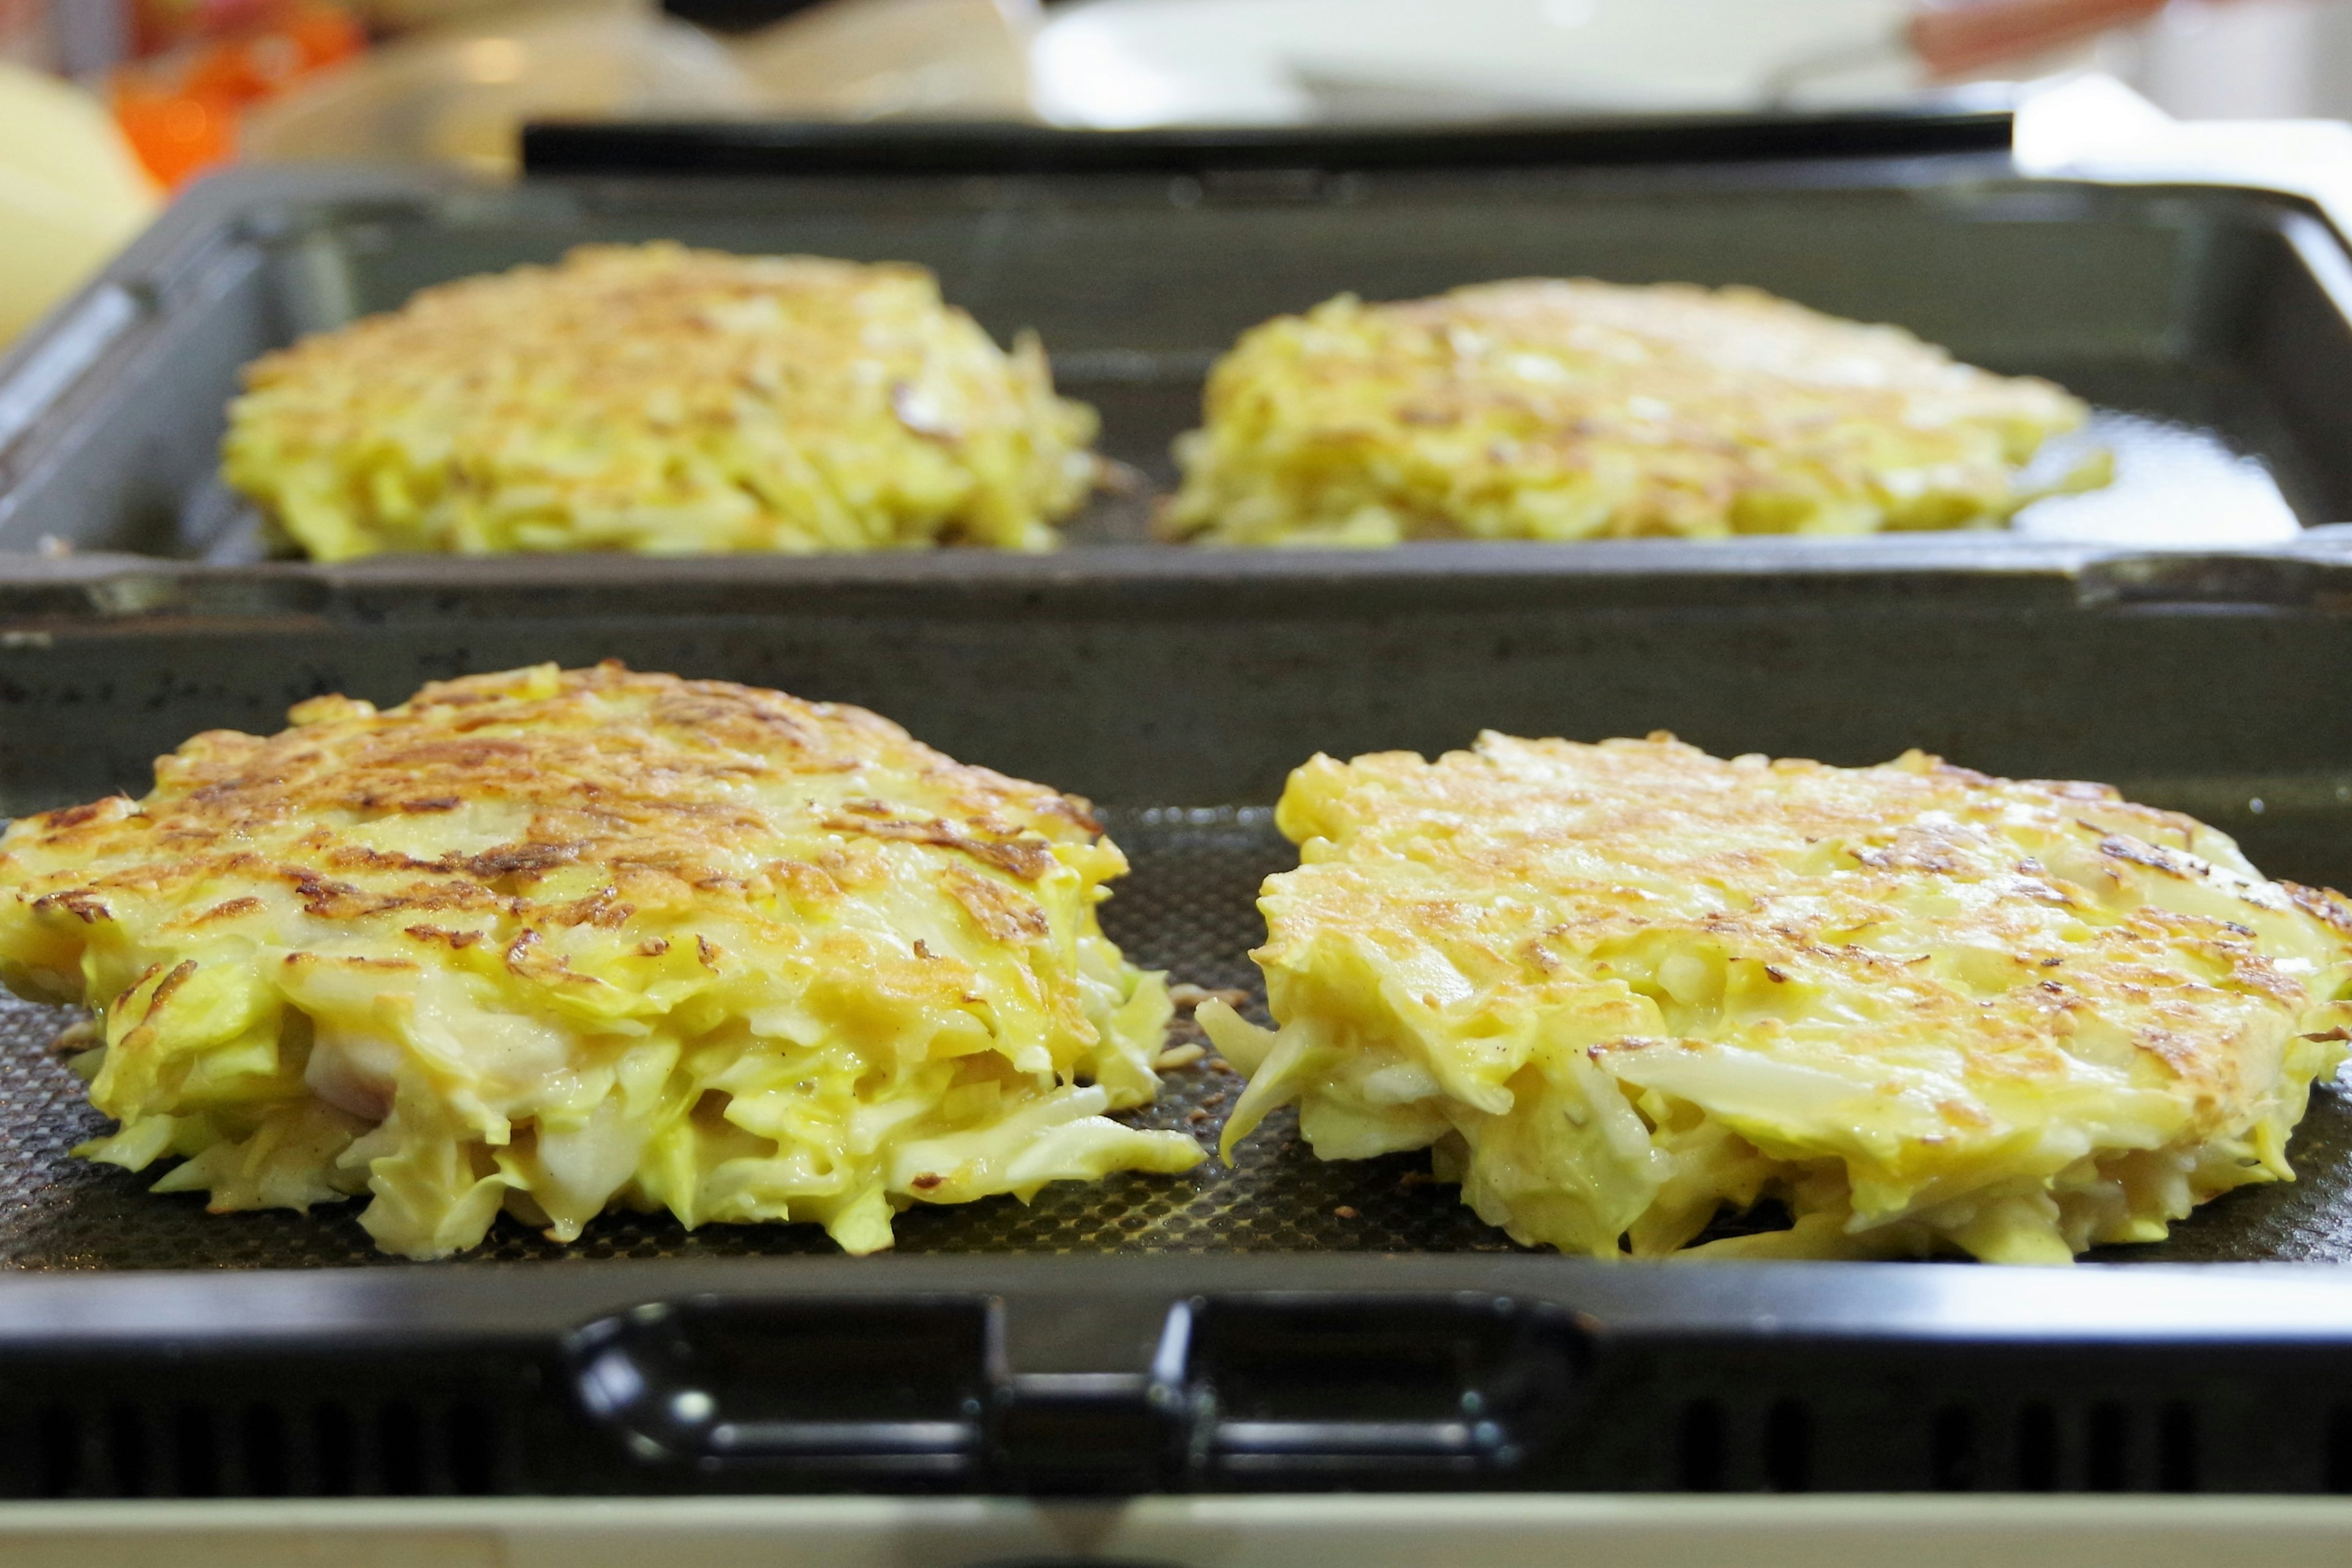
(1216, 1369)
(1073, 1377)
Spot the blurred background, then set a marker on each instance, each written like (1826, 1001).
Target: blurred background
(107, 106)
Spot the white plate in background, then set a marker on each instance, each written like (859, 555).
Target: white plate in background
(1113, 64)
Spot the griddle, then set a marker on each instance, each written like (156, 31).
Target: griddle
(1291, 1325)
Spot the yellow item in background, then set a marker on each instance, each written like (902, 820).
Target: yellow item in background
(71, 193)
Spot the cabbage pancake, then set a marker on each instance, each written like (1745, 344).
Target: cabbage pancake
(667, 401)
(1545, 409)
(1619, 989)
(550, 942)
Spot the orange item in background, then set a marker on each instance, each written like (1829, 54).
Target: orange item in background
(180, 108)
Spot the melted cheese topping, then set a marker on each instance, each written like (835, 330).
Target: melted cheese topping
(667, 401)
(1548, 409)
(1621, 988)
(549, 941)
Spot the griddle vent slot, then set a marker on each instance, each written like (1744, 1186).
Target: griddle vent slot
(1799, 1440)
(2337, 1473)
(1789, 1445)
(2101, 1446)
(396, 1447)
(1703, 1442)
(1699, 1450)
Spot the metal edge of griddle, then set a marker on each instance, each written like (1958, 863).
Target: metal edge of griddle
(229, 206)
(52, 372)
(756, 146)
(106, 593)
(2149, 1304)
(224, 218)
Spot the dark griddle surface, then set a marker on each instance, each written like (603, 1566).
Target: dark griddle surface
(1189, 908)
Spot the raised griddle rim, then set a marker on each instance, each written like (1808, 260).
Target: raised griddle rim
(216, 226)
(2114, 1305)
(103, 593)
(758, 146)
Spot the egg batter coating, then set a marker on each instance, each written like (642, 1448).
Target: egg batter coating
(1545, 409)
(666, 401)
(551, 942)
(1621, 988)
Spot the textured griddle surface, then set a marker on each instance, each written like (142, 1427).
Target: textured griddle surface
(1189, 908)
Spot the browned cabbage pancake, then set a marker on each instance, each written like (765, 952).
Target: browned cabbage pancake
(1622, 988)
(550, 942)
(667, 401)
(1545, 409)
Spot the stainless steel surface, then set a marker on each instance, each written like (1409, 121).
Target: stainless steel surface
(2205, 321)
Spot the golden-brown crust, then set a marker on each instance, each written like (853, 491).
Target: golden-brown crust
(661, 399)
(546, 942)
(2031, 965)
(1544, 408)
(613, 796)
